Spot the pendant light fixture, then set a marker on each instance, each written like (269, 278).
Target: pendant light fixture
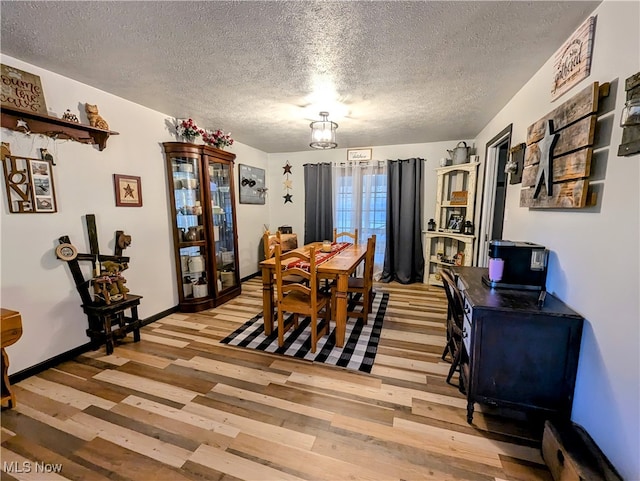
(323, 133)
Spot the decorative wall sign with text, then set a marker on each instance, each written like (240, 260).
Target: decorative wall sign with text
(573, 60)
(359, 154)
(21, 90)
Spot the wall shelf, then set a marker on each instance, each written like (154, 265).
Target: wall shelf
(55, 127)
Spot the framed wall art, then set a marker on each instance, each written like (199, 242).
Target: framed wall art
(359, 154)
(252, 184)
(456, 221)
(29, 184)
(128, 190)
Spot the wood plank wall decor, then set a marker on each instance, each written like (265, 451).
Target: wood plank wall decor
(517, 160)
(631, 134)
(570, 160)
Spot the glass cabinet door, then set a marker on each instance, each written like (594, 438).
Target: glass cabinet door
(190, 228)
(223, 228)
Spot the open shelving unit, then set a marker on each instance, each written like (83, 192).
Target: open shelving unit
(455, 196)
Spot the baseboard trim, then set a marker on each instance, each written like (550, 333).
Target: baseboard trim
(250, 276)
(76, 351)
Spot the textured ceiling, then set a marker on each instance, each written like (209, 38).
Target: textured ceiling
(389, 72)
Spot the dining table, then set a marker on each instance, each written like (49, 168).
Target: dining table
(337, 267)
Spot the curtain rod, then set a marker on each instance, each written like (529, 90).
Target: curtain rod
(360, 162)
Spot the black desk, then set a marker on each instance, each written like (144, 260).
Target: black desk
(518, 355)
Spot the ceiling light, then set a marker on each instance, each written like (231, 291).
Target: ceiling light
(323, 133)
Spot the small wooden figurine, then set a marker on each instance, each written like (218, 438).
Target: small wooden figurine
(95, 120)
(69, 116)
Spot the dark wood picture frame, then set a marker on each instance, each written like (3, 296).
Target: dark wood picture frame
(128, 189)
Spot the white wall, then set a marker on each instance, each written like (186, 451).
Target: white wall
(249, 217)
(594, 265)
(34, 281)
(292, 213)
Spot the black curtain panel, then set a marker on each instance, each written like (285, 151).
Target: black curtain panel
(318, 203)
(403, 259)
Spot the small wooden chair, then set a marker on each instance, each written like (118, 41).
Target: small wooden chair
(351, 235)
(300, 298)
(361, 285)
(455, 320)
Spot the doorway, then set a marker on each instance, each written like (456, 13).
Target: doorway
(494, 193)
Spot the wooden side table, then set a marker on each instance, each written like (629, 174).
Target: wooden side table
(10, 332)
(108, 322)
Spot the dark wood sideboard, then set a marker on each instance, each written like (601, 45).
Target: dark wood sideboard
(518, 355)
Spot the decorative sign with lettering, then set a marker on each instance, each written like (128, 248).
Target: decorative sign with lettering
(573, 60)
(22, 90)
(459, 197)
(359, 154)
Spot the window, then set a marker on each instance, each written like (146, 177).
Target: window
(360, 201)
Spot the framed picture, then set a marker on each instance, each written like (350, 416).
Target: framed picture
(359, 154)
(456, 221)
(42, 185)
(128, 190)
(29, 183)
(252, 184)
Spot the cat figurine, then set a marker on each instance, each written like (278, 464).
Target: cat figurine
(95, 120)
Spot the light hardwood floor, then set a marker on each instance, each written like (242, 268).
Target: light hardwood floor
(181, 406)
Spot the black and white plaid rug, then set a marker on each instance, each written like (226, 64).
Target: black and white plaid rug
(358, 353)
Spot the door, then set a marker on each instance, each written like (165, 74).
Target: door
(494, 193)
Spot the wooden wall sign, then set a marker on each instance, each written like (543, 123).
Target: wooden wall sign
(569, 167)
(516, 164)
(631, 130)
(21, 90)
(573, 60)
(459, 197)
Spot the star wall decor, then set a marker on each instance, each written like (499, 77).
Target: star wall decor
(546, 145)
(288, 183)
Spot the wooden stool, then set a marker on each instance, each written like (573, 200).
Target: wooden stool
(11, 331)
(103, 320)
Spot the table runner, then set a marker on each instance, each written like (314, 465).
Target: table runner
(321, 257)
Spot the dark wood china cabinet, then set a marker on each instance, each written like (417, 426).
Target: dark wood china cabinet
(203, 213)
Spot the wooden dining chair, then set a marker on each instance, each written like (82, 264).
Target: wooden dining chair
(361, 285)
(300, 298)
(351, 235)
(455, 320)
(269, 242)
